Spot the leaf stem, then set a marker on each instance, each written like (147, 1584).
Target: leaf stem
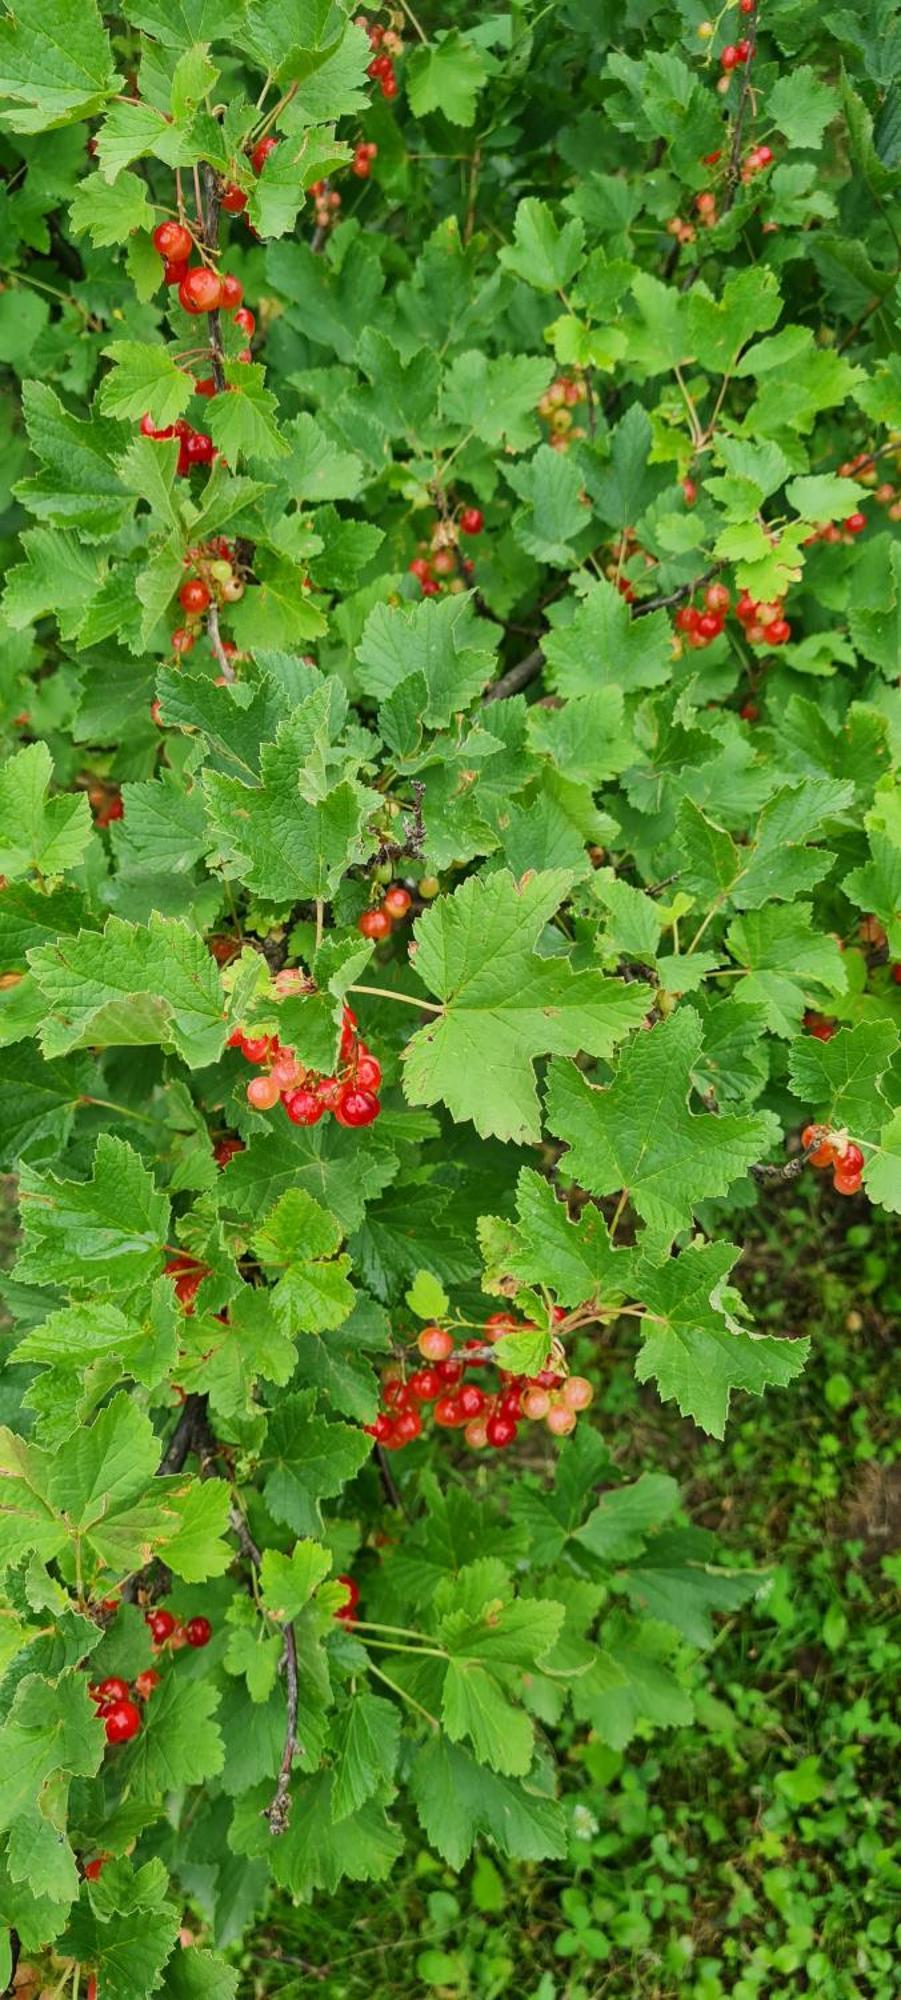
(432, 1719)
(406, 999)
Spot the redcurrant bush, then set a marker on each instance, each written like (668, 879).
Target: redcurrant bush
(448, 885)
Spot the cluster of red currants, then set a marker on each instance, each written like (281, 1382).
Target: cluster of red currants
(438, 565)
(365, 152)
(394, 907)
(113, 1697)
(485, 1418)
(387, 44)
(328, 204)
(764, 623)
(853, 525)
(350, 1095)
(734, 55)
(216, 577)
(836, 1150)
(194, 447)
(820, 1026)
(556, 407)
(201, 289)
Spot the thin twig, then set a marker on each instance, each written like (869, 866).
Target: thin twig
(516, 678)
(211, 241)
(278, 1813)
(733, 169)
(216, 647)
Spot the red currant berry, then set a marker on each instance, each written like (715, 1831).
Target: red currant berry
(743, 51)
(845, 1183)
(425, 1385)
(851, 1161)
(855, 523)
(262, 1093)
(476, 1433)
(501, 1432)
(451, 1370)
(560, 1421)
(746, 6)
(356, 1107)
(688, 618)
(198, 1631)
(122, 1722)
(577, 1392)
(244, 320)
(148, 430)
(374, 924)
(182, 640)
(535, 1404)
(407, 1426)
(369, 1073)
(730, 57)
(112, 1689)
(709, 625)
(231, 292)
(200, 290)
(261, 152)
(472, 521)
(232, 199)
(471, 1400)
(172, 240)
(93, 1868)
(145, 1683)
(396, 902)
(448, 1412)
(174, 270)
(421, 569)
(383, 1426)
(303, 1106)
(160, 1624)
(199, 448)
(716, 597)
(194, 595)
(435, 1343)
(347, 1609)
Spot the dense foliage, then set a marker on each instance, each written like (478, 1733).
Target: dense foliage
(450, 862)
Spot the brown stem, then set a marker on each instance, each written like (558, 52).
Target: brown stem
(211, 240)
(517, 677)
(216, 647)
(278, 1813)
(733, 170)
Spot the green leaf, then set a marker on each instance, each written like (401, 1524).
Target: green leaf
(143, 379)
(445, 643)
(800, 106)
(55, 64)
(458, 1801)
(36, 832)
(77, 483)
(179, 1743)
(300, 1239)
(130, 985)
(48, 1728)
(93, 1235)
(109, 214)
(618, 1527)
(504, 1005)
(496, 398)
(309, 1460)
(446, 75)
(427, 1297)
(783, 959)
(242, 419)
(694, 1345)
(637, 1133)
(288, 1582)
(603, 645)
(882, 1173)
(553, 512)
(841, 1081)
(541, 254)
(574, 1259)
(367, 1744)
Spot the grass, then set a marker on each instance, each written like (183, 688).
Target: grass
(749, 1855)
